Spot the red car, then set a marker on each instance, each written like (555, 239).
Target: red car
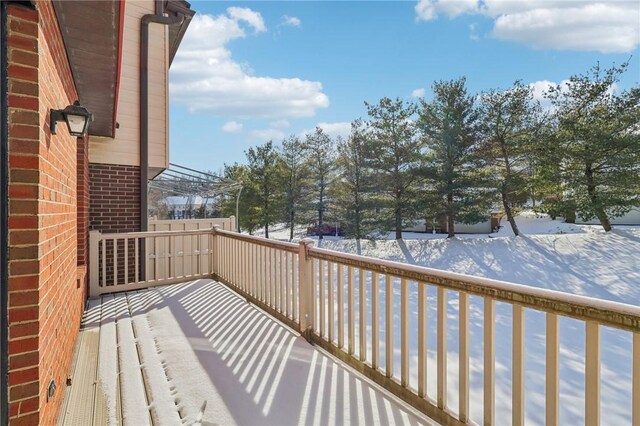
(334, 230)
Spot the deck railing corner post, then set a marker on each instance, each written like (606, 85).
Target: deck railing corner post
(94, 263)
(214, 251)
(305, 281)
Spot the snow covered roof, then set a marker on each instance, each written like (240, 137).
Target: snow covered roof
(182, 201)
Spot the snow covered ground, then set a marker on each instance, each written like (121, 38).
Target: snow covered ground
(578, 259)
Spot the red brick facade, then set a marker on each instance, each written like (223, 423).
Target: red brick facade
(46, 204)
(115, 198)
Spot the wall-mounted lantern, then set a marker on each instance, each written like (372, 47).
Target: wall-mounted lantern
(76, 116)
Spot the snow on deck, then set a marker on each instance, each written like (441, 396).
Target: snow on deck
(197, 353)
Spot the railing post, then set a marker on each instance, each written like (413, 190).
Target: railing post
(94, 263)
(213, 251)
(305, 281)
(233, 225)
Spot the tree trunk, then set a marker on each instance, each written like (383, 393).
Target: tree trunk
(451, 232)
(292, 219)
(505, 189)
(570, 215)
(509, 213)
(595, 203)
(398, 224)
(321, 210)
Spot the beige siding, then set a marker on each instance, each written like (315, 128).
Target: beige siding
(158, 85)
(125, 147)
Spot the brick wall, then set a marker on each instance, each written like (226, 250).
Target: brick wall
(115, 198)
(82, 189)
(45, 302)
(115, 207)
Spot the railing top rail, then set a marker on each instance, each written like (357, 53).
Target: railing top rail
(614, 314)
(118, 235)
(280, 245)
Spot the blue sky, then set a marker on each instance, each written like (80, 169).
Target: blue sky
(248, 72)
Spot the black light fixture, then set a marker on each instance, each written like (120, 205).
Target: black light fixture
(76, 116)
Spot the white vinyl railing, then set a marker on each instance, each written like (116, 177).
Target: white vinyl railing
(341, 301)
(135, 260)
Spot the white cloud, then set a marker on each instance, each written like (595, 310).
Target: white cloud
(232, 127)
(291, 21)
(428, 10)
(279, 124)
(245, 14)
(539, 88)
(610, 26)
(418, 93)
(339, 128)
(266, 135)
(204, 76)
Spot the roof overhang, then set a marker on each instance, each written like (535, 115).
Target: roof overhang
(176, 32)
(90, 30)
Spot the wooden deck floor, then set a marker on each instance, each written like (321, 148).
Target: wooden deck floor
(197, 353)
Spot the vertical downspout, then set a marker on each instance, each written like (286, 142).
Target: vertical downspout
(4, 222)
(157, 18)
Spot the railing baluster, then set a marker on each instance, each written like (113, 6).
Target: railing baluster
(375, 321)
(126, 260)
(635, 387)
(362, 295)
(136, 248)
(184, 257)
(518, 366)
(404, 332)
(115, 261)
(321, 298)
(166, 257)
(489, 362)
(192, 272)
(282, 282)
(552, 364)
(340, 291)
(312, 309)
(287, 286)
(442, 347)
(592, 374)
(350, 312)
(294, 287)
(199, 265)
(463, 358)
(173, 252)
(104, 263)
(330, 302)
(422, 340)
(263, 275)
(273, 298)
(388, 346)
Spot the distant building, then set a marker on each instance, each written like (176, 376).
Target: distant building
(630, 218)
(188, 207)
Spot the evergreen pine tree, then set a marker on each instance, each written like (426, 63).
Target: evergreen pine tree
(459, 188)
(321, 156)
(509, 122)
(355, 186)
(265, 175)
(295, 180)
(597, 143)
(395, 155)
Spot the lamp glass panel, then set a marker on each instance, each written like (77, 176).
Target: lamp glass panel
(76, 123)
